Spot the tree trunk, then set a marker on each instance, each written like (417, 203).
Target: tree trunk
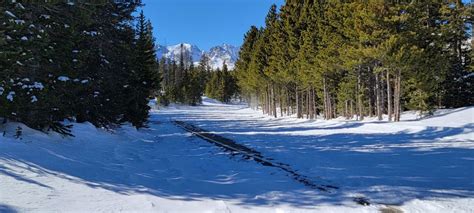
(314, 105)
(280, 101)
(313, 108)
(311, 103)
(378, 98)
(298, 110)
(330, 111)
(371, 107)
(359, 95)
(346, 109)
(308, 108)
(289, 105)
(274, 110)
(383, 93)
(395, 99)
(333, 107)
(326, 106)
(371, 92)
(398, 108)
(267, 102)
(389, 98)
(257, 99)
(352, 109)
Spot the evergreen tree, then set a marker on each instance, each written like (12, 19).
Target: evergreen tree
(145, 76)
(74, 61)
(455, 34)
(358, 58)
(229, 85)
(195, 90)
(243, 64)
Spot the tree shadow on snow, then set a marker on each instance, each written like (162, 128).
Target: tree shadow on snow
(388, 168)
(7, 209)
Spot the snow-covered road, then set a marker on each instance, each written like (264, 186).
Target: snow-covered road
(412, 166)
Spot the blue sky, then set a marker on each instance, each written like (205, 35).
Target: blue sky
(206, 23)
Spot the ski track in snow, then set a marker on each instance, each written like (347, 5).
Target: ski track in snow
(414, 166)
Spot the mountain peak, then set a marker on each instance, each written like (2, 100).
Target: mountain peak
(218, 55)
(221, 54)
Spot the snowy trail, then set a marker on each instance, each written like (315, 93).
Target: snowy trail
(247, 153)
(415, 166)
(162, 169)
(414, 161)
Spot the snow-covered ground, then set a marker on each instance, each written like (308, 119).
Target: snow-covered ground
(416, 165)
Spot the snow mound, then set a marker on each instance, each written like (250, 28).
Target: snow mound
(210, 101)
(451, 118)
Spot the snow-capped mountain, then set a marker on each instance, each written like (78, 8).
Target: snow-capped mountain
(173, 52)
(217, 55)
(224, 53)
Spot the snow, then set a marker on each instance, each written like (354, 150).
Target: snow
(173, 52)
(20, 21)
(37, 85)
(63, 78)
(10, 96)
(217, 55)
(223, 54)
(44, 16)
(19, 5)
(417, 165)
(91, 33)
(34, 99)
(10, 14)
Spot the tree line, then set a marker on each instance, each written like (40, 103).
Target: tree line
(359, 58)
(185, 83)
(75, 61)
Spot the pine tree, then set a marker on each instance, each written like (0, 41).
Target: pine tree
(213, 87)
(229, 84)
(145, 76)
(196, 85)
(245, 57)
(61, 61)
(26, 52)
(361, 58)
(455, 35)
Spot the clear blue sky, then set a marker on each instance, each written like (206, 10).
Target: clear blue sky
(206, 23)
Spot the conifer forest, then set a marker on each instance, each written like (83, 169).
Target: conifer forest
(236, 106)
(358, 59)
